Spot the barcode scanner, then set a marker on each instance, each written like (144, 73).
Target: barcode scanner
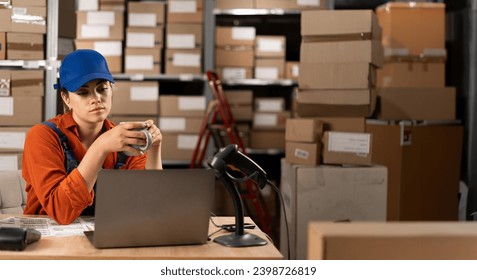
(16, 239)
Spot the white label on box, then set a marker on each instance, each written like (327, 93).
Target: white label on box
(19, 11)
(172, 124)
(186, 60)
(87, 5)
(113, 48)
(100, 18)
(187, 142)
(8, 162)
(269, 45)
(12, 140)
(349, 142)
(182, 6)
(4, 91)
(140, 40)
(269, 105)
(434, 52)
(266, 73)
(145, 20)
(143, 93)
(243, 33)
(234, 73)
(181, 41)
(295, 70)
(299, 153)
(188, 103)
(261, 119)
(308, 2)
(139, 62)
(6, 106)
(94, 31)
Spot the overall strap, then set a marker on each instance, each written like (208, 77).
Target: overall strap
(121, 160)
(71, 161)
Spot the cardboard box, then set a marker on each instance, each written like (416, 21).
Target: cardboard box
(270, 120)
(33, 19)
(292, 70)
(5, 20)
(143, 60)
(424, 169)
(235, 36)
(328, 193)
(12, 139)
(185, 11)
(136, 98)
(239, 97)
(182, 106)
(340, 25)
(10, 161)
(426, 20)
(269, 104)
(269, 68)
(234, 57)
(178, 146)
(370, 51)
(335, 103)
(180, 124)
(411, 74)
(184, 61)
(343, 124)
(21, 110)
(243, 132)
(347, 148)
(5, 83)
(241, 112)
(270, 46)
(184, 36)
(3, 46)
(304, 130)
(25, 46)
(234, 4)
(303, 153)
(144, 37)
(336, 75)
(27, 82)
(32, 3)
(99, 25)
(234, 73)
(392, 241)
(267, 139)
(112, 6)
(416, 103)
(111, 50)
(146, 14)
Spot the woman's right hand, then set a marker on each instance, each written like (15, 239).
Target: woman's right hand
(121, 137)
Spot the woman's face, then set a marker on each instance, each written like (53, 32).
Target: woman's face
(91, 103)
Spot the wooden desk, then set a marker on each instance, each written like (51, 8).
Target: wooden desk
(78, 248)
(392, 241)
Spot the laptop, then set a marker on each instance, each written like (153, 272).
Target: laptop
(138, 208)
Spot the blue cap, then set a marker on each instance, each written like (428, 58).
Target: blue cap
(80, 67)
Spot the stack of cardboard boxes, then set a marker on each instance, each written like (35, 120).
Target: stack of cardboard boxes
(328, 172)
(22, 29)
(234, 52)
(92, 26)
(184, 37)
(270, 57)
(22, 36)
(269, 119)
(144, 37)
(416, 135)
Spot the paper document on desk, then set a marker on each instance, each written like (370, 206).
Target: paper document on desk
(49, 227)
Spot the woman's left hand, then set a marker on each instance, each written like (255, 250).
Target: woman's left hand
(155, 133)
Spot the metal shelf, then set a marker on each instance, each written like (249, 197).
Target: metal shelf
(143, 77)
(249, 12)
(27, 64)
(264, 151)
(259, 82)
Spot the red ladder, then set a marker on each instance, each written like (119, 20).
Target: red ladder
(210, 126)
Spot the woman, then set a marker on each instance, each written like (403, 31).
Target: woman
(61, 184)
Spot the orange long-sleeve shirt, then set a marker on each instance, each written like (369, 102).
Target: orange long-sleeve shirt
(50, 191)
